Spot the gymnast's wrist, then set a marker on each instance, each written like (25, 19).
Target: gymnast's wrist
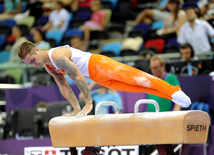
(89, 103)
(77, 110)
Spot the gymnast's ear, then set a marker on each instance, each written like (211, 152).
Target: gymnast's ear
(37, 50)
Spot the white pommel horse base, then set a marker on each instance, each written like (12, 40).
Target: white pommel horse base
(159, 128)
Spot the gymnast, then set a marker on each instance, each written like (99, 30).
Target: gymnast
(101, 69)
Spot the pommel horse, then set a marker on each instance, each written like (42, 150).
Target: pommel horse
(159, 128)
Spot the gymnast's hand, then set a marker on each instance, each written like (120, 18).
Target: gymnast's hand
(74, 113)
(86, 109)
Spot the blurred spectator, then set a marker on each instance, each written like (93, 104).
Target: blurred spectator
(97, 21)
(58, 18)
(173, 21)
(39, 39)
(146, 54)
(42, 106)
(196, 32)
(19, 33)
(70, 5)
(204, 6)
(157, 66)
(208, 13)
(187, 53)
(151, 15)
(33, 8)
(11, 8)
(104, 94)
(77, 42)
(42, 130)
(47, 6)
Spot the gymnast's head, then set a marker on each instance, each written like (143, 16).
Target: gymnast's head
(31, 54)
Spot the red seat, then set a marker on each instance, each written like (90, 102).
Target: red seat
(156, 43)
(134, 4)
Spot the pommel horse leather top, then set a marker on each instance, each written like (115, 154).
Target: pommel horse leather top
(177, 127)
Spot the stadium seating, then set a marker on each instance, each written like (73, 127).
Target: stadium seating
(8, 22)
(113, 47)
(56, 35)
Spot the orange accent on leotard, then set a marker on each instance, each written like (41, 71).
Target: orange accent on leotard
(59, 71)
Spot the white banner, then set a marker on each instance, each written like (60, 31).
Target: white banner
(117, 150)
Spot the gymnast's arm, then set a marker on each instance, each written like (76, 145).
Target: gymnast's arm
(90, 86)
(63, 62)
(65, 91)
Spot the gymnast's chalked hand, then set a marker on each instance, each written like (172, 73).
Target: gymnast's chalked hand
(74, 113)
(86, 109)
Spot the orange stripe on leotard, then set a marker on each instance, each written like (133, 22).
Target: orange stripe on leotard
(59, 71)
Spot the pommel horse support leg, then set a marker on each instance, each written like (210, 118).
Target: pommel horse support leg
(159, 128)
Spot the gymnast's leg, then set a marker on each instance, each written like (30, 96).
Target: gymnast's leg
(116, 75)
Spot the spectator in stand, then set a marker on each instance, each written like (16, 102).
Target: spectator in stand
(77, 42)
(97, 22)
(173, 21)
(19, 33)
(39, 39)
(146, 54)
(58, 19)
(203, 6)
(187, 54)
(196, 32)
(208, 13)
(157, 66)
(104, 94)
(151, 15)
(69, 5)
(12, 7)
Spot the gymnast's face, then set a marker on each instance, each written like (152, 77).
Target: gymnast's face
(156, 68)
(35, 59)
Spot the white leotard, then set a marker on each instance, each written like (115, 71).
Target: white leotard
(80, 58)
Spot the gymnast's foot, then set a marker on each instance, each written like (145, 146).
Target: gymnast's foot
(181, 99)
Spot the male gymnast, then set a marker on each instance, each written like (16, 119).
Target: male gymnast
(101, 69)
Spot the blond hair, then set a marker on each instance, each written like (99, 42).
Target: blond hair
(96, 2)
(25, 48)
(160, 59)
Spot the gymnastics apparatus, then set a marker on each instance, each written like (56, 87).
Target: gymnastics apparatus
(159, 128)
